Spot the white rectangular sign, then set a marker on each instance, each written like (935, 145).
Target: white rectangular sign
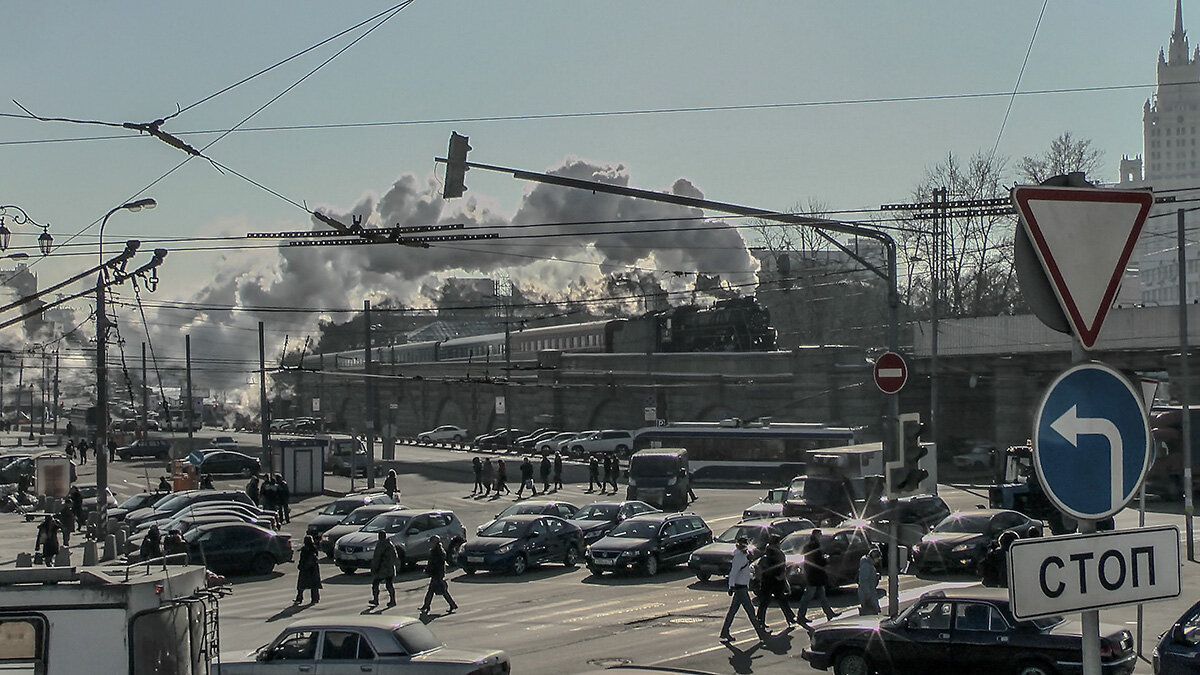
(1056, 575)
(500, 405)
(650, 414)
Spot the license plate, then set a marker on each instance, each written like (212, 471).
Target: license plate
(474, 558)
(605, 561)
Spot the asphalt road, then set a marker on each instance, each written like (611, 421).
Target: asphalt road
(553, 619)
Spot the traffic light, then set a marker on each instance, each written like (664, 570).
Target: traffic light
(908, 476)
(456, 166)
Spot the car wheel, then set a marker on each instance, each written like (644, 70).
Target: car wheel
(263, 564)
(520, 564)
(346, 569)
(1034, 668)
(703, 576)
(852, 662)
(571, 559)
(650, 567)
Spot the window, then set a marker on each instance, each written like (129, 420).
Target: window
(537, 529)
(420, 523)
(978, 616)
(670, 529)
(931, 616)
(22, 644)
(298, 646)
(565, 510)
(556, 526)
(439, 520)
(345, 646)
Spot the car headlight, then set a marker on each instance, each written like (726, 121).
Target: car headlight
(629, 554)
(504, 549)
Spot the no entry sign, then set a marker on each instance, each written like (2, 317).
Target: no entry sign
(891, 372)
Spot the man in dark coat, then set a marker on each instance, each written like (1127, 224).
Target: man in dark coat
(310, 572)
(252, 490)
(616, 472)
(151, 545)
(477, 469)
(526, 478)
(112, 449)
(607, 475)
(283, 496)
(436, 569)
(488, 476)
(383, 569)
(389, 483)
(75, 499)
(773, 568)
(173, 543)
(163, 484)
(993, 568)
(266, 492)
(558, 484)
(47, 540)
(593, 473)
(544, 470)
(501, 478)
(816, 578)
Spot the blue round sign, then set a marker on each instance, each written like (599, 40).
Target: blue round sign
(1091, 441)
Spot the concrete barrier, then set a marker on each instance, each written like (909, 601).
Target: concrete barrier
(110, 548)
(24, 560)
(89, 553)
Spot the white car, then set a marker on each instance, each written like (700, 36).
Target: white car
(446, 432)
(377, 644)
(225, 442)
(613, 441)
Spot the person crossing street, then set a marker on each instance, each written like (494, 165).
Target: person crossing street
(383, 569)
(435, 567)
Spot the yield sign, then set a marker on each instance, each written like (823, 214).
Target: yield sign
(1084, 237)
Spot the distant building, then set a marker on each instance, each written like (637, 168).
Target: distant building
(19, 283)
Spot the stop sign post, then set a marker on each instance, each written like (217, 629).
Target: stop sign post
(891, 372)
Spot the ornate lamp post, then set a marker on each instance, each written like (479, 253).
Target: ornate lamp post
(19, 217)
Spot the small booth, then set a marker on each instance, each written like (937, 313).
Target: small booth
(185, 473)
(301, 461)
(52, 471)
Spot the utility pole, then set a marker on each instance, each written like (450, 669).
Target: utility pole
(508, 434)
(264, 413)
(55, 393)
(145, 416)
(98, 448)
(190, 417)
(940, 225)
(1185, 391)
(369, 392)
(45, 391)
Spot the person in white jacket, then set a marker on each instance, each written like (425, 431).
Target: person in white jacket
(739, 590)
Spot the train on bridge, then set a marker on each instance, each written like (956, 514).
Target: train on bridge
(736, 325)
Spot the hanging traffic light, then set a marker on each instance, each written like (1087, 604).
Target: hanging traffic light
(456, 166)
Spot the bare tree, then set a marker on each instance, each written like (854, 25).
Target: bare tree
(1065, 155)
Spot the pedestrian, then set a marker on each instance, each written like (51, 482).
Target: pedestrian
(593, 473)
(47, 540)
(83, 448)
(816, 578)
(389, 483)
(526, 478)
(774, 582)
(544, 470)
(739, 589)
(435, 567)
(685, 477)
(383, 568)
(75, 499)
(66, 518)
(252, 489)
(70, 450)
(22, 484)
(206, 482)
(868, 583)
(310, 572)
(266, 492)
(151, 545)
(283, 496)
(501, 478)
(616, 472)
(607, 474)
(488, 477)
(70, 431)
(112, 449)
(993, 567)
(173, 543)
(163, 484)
(477, 469)
(558, 484)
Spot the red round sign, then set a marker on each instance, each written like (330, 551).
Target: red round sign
(890, 372)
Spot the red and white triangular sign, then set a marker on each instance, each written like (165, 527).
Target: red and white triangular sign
(1084, 237)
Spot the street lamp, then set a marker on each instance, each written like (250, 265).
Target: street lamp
(101, 367)
(45, 241)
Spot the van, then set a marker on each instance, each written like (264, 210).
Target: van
(660, 477)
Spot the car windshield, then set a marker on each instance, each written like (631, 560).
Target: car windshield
(510, 529)
(386, 522)
(654, 465)
(794, 543)
(972, 524)
(172, 504)
(813, 490)
(598, 512)
(757, 535)
(339, 508)
(636, 529)
(776, 495)
(416, 638)
(518, 509)
(360, 517)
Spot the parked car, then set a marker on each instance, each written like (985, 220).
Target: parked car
(141, 500)
(770, 506)
(564, 510)
(599, 518)
(716, 558)
(978, 458)
(225, 462)
(88, 492)
(614, 441)
(230, 548)
(169, 506)
(336, 511)
(514, 543)
(961, 539)
(967, 630)
(648, 542)
(224, 442)
(528, 442)
(353, 522)
(498, 439)
(159, 448)
(1178, 648)
(917, 514)
(564, 446)
(408, 529)
(553, 443)
(843, 548)
(446, 432)
(373, 643)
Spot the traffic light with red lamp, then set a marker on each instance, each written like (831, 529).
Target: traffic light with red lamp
(908, 476)
(456, 166)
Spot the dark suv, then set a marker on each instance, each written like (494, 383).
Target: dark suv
(648, 542)
(159, 448)
(916, 514)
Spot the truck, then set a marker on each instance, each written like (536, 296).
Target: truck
(109, 619)
(838, 483)
(1018, 488)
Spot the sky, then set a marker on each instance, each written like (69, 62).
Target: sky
(767, 104)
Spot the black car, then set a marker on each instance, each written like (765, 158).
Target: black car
(498, 439)
(533, 507)
(142, 500)
(916, 515)
(960, 541)
(514, 543)
(233, 547)
(970, 630)
(88, 492)
(229, 462)
(599, 518)
(159, 448)
(717, 557)
(843, 547)
(647, 542)
(1178, 649)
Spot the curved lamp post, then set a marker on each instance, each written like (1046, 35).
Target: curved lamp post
(45, 241)
(101, 368)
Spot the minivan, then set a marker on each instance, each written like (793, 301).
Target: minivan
(660, 477)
